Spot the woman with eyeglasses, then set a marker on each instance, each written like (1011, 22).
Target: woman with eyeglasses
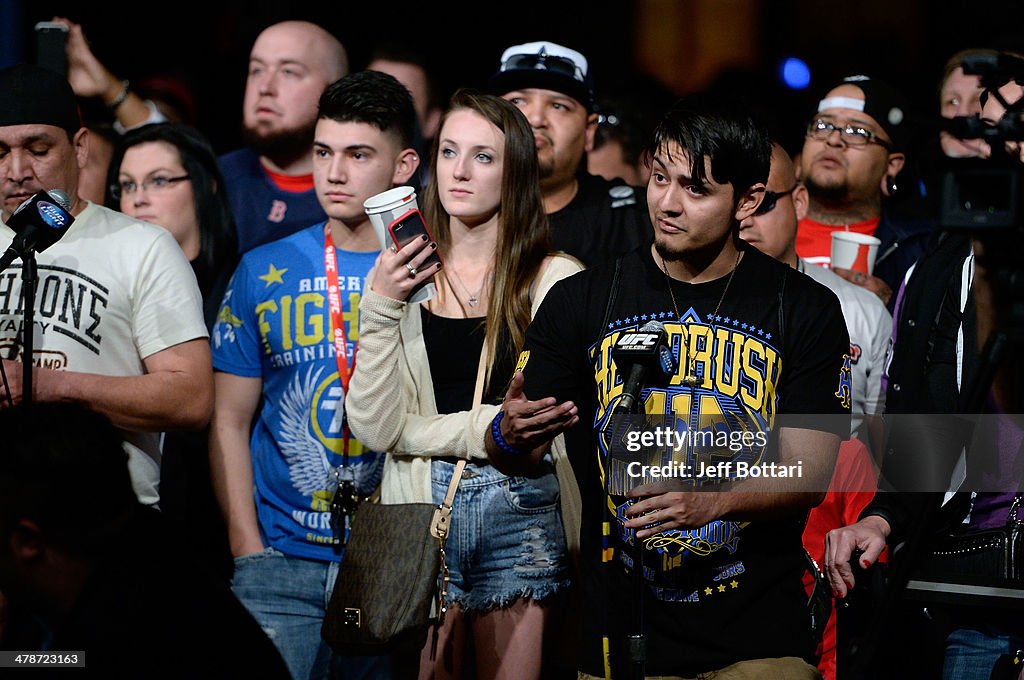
(167, 174)
(421, 365)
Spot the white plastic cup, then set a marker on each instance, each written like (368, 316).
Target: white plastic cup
(854, 251)
(383, 209)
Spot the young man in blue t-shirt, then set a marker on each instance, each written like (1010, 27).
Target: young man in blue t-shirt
(274, 350)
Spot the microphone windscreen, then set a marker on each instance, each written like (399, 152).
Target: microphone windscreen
(61, 198)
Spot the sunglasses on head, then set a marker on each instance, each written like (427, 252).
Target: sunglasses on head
(543, 62)
(771, 199)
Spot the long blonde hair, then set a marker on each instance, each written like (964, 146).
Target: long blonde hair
(523, 237)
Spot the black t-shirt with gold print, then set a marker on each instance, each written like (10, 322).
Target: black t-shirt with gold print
(730, 590)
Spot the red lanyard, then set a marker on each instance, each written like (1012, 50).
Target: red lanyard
(338, 329)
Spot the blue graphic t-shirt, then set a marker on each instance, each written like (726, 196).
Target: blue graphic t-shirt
(275, 324)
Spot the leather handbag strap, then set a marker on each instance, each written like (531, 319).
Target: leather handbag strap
(443, 514)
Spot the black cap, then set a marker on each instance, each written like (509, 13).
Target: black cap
(890, 109)
(34, 95)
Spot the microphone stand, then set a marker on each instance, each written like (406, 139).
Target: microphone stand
(29, 278)
(636, 641)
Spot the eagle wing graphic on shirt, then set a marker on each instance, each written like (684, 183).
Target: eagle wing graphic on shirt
(306, 456)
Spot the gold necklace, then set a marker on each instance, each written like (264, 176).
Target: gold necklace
(668, 280)
(689, 377)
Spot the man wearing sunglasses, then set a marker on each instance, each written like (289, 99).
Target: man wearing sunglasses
(591, 218)
(772, 230)
(851, 158)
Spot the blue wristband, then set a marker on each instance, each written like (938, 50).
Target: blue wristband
(500, 441)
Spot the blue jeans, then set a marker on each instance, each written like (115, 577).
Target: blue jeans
(971, 652)
(288, 597)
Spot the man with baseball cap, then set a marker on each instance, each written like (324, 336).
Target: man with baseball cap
(852, 154)
(118, 314)
(591, 218)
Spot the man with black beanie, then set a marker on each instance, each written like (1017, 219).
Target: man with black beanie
(118, 314)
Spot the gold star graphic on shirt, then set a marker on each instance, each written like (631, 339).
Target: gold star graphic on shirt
(734, 584)
(721, 587)
(274, 275)
(708, 591)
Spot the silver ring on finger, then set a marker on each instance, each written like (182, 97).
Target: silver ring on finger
(412, 271)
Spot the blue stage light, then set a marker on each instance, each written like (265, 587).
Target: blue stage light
(795, 73)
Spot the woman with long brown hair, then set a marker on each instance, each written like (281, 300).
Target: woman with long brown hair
(430, 377)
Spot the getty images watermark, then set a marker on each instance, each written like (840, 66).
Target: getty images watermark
(670, 439)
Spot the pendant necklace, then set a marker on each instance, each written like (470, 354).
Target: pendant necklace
(473, 299)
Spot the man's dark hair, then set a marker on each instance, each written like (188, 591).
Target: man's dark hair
(63, 467)
(374, 98)
(720, 129)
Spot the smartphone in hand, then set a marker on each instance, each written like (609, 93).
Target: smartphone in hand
(51, 46)
(410, 227)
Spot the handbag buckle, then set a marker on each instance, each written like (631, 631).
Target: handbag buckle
(442, 519)
(352, 616)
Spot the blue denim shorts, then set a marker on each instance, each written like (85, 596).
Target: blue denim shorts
(506, 539)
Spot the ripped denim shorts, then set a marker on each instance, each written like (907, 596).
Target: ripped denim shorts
(506, 539)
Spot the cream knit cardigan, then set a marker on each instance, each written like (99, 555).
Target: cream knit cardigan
(390, 402)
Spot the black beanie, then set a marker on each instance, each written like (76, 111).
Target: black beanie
(33, 95)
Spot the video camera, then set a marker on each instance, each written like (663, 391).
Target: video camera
(984, 195)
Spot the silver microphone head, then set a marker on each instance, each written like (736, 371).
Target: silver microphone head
(61, 198)
(652, 327)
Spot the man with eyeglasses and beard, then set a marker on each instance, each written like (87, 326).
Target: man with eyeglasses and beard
(591, 218)
(852, 156)
(270, 180)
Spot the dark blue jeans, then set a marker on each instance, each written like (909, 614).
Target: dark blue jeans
(971, 652)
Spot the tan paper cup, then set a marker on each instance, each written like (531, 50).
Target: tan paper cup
(854, 251)
(383, 209)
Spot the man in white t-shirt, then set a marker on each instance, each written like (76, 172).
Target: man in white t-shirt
(118, 314)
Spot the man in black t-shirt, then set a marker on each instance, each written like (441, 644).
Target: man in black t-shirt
(762, 380)
(591, 218)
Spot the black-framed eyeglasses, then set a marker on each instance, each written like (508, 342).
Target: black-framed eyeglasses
(544, 62)
(771, 199)
(853, 135)
(158, 183)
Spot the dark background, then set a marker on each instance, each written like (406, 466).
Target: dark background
(207, 44)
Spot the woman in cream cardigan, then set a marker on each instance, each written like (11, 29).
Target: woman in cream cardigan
(429, 378)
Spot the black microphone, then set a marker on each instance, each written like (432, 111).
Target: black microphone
(38, 223)
(645, 357)
(965, 127)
